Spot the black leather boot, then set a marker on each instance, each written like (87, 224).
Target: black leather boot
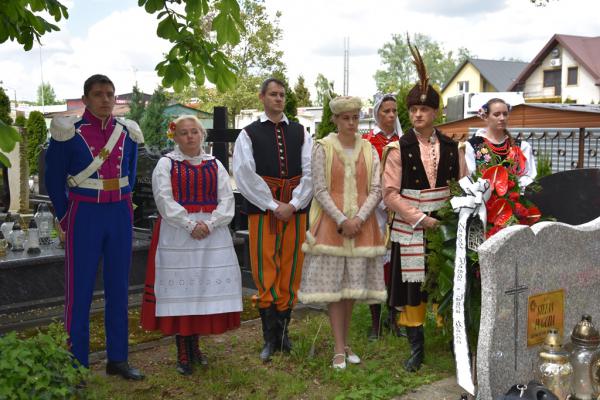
(198, 357)
(184, 354)
(268, 317)
(375, 330)
(416, 339)
(283, 322)
(124, 370)
(391, 323)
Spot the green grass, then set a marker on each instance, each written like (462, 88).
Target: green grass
(235, 371)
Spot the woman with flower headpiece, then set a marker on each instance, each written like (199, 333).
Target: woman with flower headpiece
(342, 261)
(193, 280)
(387, 130)
(493, 144)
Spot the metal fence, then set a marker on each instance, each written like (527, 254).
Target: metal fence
(567, 148)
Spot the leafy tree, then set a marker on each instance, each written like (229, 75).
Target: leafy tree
(45, 94)
(137, 105)
(256, 57)
(401, 71)
(324, 89)
(302, 93)
(326, 126)
(154, 122)
(196, 54)
(20, 120)
(37, 133)
(5, 108)
(8, 136)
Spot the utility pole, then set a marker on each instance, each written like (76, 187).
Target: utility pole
(346, 64)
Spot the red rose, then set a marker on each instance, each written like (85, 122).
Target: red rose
(520, 210)
(513, 196)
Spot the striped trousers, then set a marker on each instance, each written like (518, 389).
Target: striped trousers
(276, 259)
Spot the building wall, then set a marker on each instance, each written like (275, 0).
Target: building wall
(467, 73)
(585, 91)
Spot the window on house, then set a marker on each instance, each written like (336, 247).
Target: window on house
(552, 78)
(572, 76)
(463, 86)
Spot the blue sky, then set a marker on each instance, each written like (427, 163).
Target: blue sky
(118, 38)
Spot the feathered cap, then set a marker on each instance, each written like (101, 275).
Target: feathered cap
(422, 93)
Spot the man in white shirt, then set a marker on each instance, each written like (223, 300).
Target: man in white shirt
(271, 167)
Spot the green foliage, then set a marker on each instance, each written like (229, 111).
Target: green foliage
(302, 93)
(137, 105)
(326, 126)
(20, 120)
(154, 122)
(544, 165)
(8, 138)
(20, 21)
(46, 95)
(40, 367)
(400, 70)
(36, 137)
(256, 57)
(324, 89)
(197, 54)
(5, 108)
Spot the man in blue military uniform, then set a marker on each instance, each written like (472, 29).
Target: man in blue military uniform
(90, 173)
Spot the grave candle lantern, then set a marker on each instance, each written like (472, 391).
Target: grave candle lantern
(554, 369)
(7, 225)
(33, 242)
(585, 340)
(17, 237)
(44, 220)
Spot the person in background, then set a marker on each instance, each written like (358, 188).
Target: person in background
(494, 141)
(387, 130)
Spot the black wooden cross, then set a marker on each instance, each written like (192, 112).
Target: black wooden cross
(514, 291)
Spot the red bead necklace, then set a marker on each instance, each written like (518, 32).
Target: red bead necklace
(501, 150)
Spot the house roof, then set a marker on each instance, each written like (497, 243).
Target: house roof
(499, 73)
(120, 110)
(585, 50)
(533, 115)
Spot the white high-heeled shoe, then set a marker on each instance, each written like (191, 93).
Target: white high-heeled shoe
(351, 357)
(341, 365)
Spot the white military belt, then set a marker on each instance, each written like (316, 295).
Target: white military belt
(100, 184)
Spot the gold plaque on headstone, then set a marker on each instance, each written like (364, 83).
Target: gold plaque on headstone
(544, 311)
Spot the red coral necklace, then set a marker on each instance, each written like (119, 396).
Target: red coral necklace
(501, 150)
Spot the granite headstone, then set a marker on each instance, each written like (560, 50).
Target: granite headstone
(142, 194)
(519, 265)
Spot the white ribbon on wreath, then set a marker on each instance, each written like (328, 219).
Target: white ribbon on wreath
(471, 204)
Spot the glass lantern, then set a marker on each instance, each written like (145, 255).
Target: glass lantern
(45, 222)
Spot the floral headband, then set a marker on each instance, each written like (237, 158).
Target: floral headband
(485, 109)
(171, 130)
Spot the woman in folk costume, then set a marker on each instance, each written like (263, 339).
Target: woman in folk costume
(344, 245)
(494, 141)
(416, 172)
(388, 130)
(193, 280)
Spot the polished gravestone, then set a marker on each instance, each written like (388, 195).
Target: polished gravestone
(31, 281)
(532, 278)
(142, 197)
(572, 197)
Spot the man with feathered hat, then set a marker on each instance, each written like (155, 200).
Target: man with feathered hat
(416, 172)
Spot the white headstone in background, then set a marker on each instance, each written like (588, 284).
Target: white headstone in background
(523, 263)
